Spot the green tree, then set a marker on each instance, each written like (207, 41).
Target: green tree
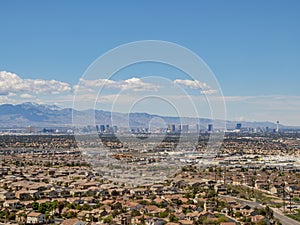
(164, 214)
(173, 218)
(86, 207)
(60, 206)
(107, 219)
(222, 219)
(135, 213)
(35, 206)
(262, 222)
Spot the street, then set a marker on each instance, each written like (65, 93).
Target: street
(277, 214)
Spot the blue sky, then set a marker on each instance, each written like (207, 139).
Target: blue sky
(252, 47)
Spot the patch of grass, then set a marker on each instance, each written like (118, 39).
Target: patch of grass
(295, 216)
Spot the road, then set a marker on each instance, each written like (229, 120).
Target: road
(284, 219)
(277, 214)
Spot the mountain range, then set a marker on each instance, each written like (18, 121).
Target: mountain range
(41, 115)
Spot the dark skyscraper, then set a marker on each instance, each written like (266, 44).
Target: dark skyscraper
(238, 126)
(210, 127)
(185, 128)
(102, 128)
(172, 128)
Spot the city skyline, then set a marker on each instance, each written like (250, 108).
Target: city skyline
(252, 48)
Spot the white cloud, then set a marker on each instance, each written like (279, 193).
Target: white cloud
(208, 92)
(133, 84)
(25, 95)
(195, 84)
(14, 89)
(11, 83)
(3, 99)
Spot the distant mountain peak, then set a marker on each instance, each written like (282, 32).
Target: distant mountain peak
(52, 107)
(40, 115)
(32, 104)
(37, 105)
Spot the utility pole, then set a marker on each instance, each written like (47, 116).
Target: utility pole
(224, 177)
(290, 202)
(283, 186)
(216, 173)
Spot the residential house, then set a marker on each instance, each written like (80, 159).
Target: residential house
(25, 195)
(262, 184)
(73, 222)
(35, 218)
(209, 206)
(221, 189)
(50, 194)
(12, 204)
(63, 193)
(257, 218)
(228, 223)
(6, 195)
(77, 192)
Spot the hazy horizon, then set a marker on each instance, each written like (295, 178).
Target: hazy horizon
(252, 49)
